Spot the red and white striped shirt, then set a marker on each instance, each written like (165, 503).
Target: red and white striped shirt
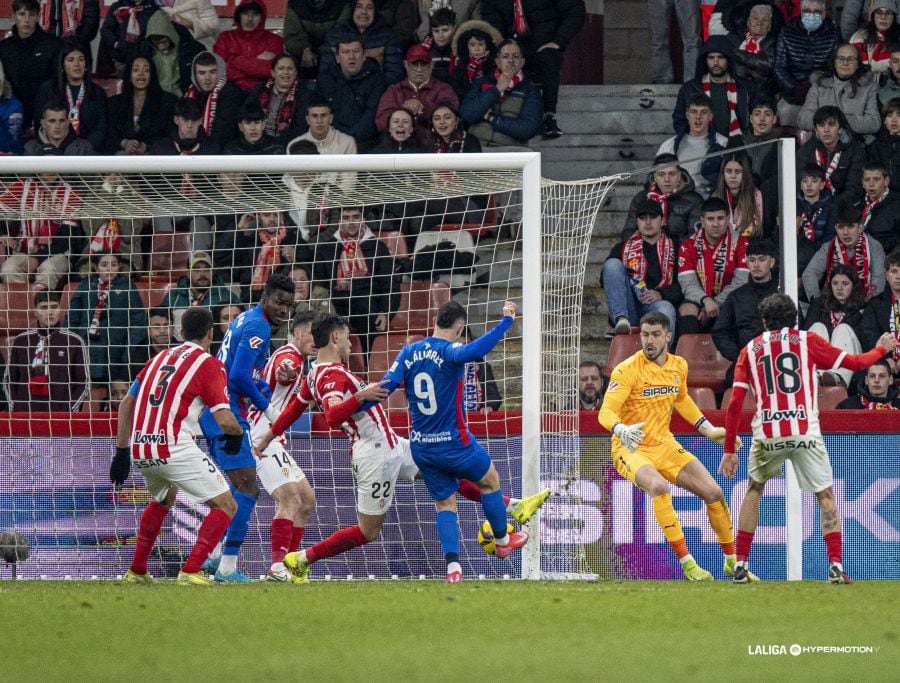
(175, 386)
(281, 393)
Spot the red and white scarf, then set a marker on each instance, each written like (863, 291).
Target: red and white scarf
(108, 238)
(869, 404)
(829, 168)
(102, 296)
(731, 93)
(279, 121)
(750, 44)
(37, 199)
(70, 13)
(719, 260)
(661, 198)
(635, 261)
(871, 55)
(475, 67)
(75, 107)
(520, 23)
(133, 29)
(352, 261)
(209, 109)
(39, 379)
(894, 323)
(839, 254)
(836, 317)
(870, 206)
(269, 256)
(808, 223)
(472, 391)
(513, 83)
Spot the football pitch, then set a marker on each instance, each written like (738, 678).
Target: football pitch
(429, 631)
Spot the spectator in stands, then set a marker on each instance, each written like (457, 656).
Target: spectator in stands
(883, 311)
(160, 336)
(688, 16)
(752, 30)
(172, 49)
(875, 40)
(465, 10)
(475, 46)
(306, 24)
(739, 320)
(309, 196)
(711, 265)
(764, 158)
(836, 316)
(447, 133)
(108, 314)
(353, 87)
(376, 37)
(419, 92)
(123, 29)
(220, 100)
(700, 140)
(283, 100)
(479, 389)
(728, 96)
(307, 297)
(253, 138)
(249, 48)
(71, 20)
(834, 148)
(29, 56)
(880, 207)
(400, 136)
(590, 386)
(673, 189)
(806, 44)
(200, 287)
(326, 138)
(401, 16)
(855, 15)
(439, 41)
(86, 101)
(54, 134)
(735, 186)
(503, 109)
(876, 392)
(640, 274)
(11, 119)
(44, 247)
(359, 272)
(223, 317)
(889, 83)
(543, 29)
(849, 88)
(141, 113)
(816, 215)
(851, 247)
(47, 369)
(120, 234)
(885, 149)
(197, 16)
(187, 137)
(118, 390)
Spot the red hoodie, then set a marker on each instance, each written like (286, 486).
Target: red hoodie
(241, 49)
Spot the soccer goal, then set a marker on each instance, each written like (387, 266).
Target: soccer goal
(479, 229)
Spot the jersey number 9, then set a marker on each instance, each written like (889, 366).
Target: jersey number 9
(423, 387)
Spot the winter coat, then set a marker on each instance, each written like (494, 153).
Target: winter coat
(885, 150)
(813, 275)
(115, 27)
(66, 371)
(684, 209)
(758, 67)
(876, 319)
(549, 21)
(517, 118)
(297, 125)
(72, 145)
(739, 320)
(11, 124)
(847, 177)
(798, 53)
(201, 14)
(884, 221)
(179, 296)
(430, 94)
(92, 115)
(888, 89)
(855, 402)
(186, 48)
(354, 100)
(27, 63)
(265, 145)
(241, 49)
(87, 27)
(710, 166)
(153, 121)
(378, 42)
(861, 110)
(231, 97)
(306, 23)
(816, 313)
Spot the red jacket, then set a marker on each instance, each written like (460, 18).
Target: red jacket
(241, 49)
(431, 94)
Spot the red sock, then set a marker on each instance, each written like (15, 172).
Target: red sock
(744, 541)
(833, 546)
(470, 491)
(280, 534)
(210, 533)
(296, 538)
(340, 541)
(151, 522)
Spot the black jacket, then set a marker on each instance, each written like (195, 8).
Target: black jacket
(847, 177)
(684, 209)
(876, 319)
(758, 67)
(885, 150)
(816, 313)
(798, 53)
(884, 224)
(739, 320)
(153, 121)
(855, 402)
(265, 145)
(28, 63)
(354, 100)
(92, 115)
(172, 144)
(549, 21)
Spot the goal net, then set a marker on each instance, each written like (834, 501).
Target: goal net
(170, 233)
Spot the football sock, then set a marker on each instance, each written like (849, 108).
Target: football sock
(216, 552)
(720, 521)
(470, 491)
(832, 546)
(495, 511)
(340, 541)
(227, 564)
(448, 533)
(280, 534)
(296, 538)
(151, 522)
(209, 534)
(744, 541)
(454, 567)
(668, 522)
(237, 531)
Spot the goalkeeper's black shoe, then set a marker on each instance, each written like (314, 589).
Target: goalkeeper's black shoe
(836, 574)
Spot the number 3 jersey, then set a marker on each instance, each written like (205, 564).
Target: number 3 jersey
(176, 385)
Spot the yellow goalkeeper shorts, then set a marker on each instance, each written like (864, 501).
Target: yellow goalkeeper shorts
(667, 458)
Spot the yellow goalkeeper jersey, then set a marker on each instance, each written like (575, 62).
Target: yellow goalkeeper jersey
(640, 390)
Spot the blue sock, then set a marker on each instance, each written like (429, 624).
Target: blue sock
(237, 530)
(495, 511)
(448, 534)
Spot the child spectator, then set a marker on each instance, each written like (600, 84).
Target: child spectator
(885, 149)
(816, 215)
(439, 42)
(475, 46)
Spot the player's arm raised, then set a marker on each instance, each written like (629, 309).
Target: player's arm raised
(479, 348)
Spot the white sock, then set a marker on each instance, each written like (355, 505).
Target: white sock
(216, 552)
(502, 541)
(278, 567)
(454, 567)
(687, 558)
(302, 557)
(838, 565)
(228, 564)
(513, 502)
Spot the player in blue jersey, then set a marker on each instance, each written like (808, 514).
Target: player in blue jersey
(442, 445)
(244, 351)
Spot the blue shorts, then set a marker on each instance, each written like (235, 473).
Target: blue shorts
(443, 467)
(243, 458)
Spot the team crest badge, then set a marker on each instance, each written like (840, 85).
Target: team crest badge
(612, 386)
(255, 341)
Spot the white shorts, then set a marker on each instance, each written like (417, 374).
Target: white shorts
(807, 453)
(277, 468)
(188, 468)
(376, 471)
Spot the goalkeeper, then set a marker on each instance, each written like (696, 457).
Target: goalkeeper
(637, 408)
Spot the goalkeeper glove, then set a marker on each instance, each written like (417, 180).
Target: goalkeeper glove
(631, 436)
(231, 443)
(120, 467)
(717, 434)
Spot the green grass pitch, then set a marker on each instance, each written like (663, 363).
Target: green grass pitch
(429, 631)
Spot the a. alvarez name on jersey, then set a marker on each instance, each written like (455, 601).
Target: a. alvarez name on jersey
(782, 336)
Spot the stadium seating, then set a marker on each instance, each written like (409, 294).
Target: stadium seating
(463, 242)
(395, 241)
(15, 308)
(153, 289)
(829, 397)
(621, 347)
(419, 303)
(749, 400)
(170, 253)
(704, 397)
(357, 362)
(477, 230)
(384, 349)
(706, 366)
